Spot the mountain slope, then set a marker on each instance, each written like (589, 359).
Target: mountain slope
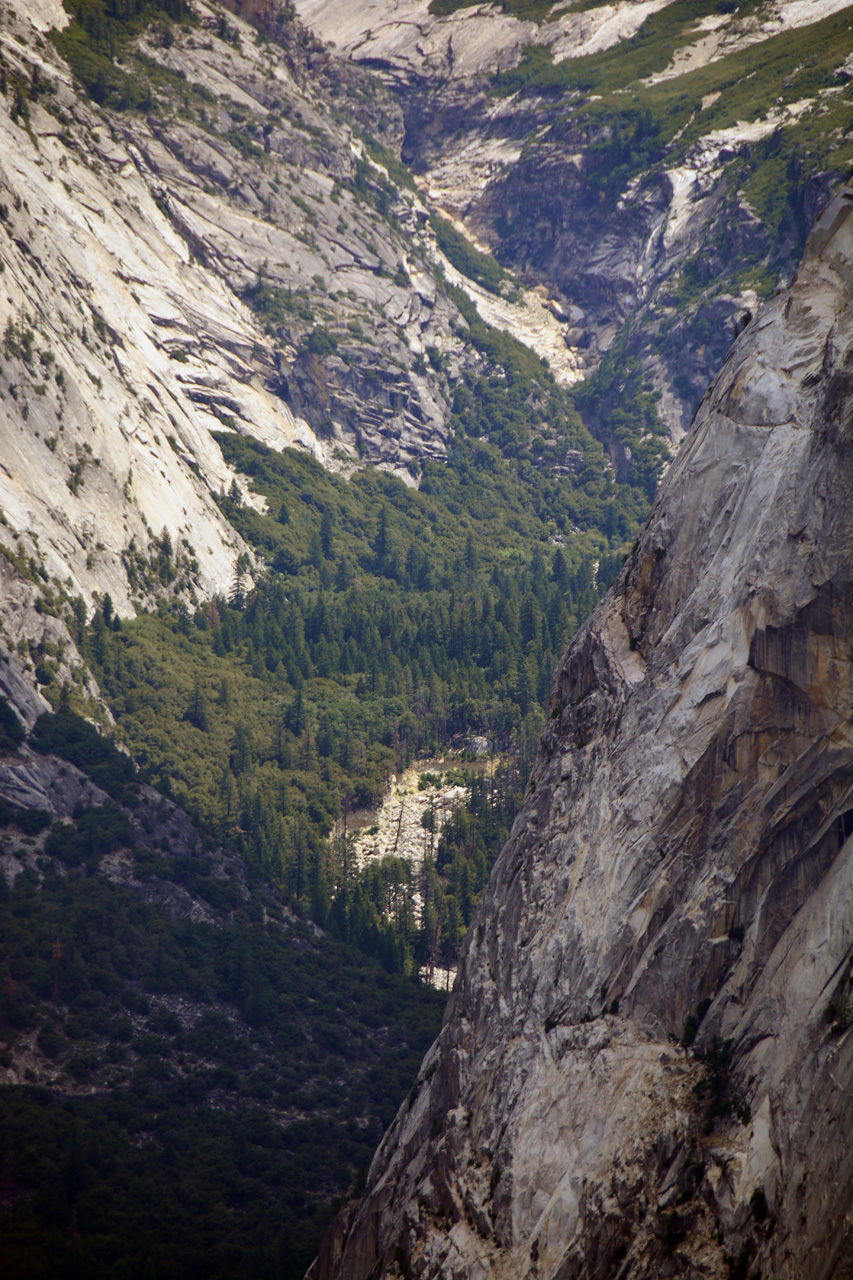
(681, 870)
(653, 162)
(183, 252)
(191, 1073)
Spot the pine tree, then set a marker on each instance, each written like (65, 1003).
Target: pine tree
(196, 712)
(326, 539)
(559, 571)
(241, 750)
(315, 553)
(98, 644)
(343, 575)
(295, 713)
(237, 598)
(470, 554)
(382, 544)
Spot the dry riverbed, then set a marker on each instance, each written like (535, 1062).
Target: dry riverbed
(397, 828)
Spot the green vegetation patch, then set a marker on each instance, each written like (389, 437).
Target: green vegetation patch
(638, 123)
(397, 171)
(477, 266)
(276, 306)
(650, 50)
(620, 403)
(11, 729)
(386, 629)
(537, 11)
(70, 736)
(99, 33)
(390, 624)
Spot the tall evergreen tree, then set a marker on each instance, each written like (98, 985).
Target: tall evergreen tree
(196, 712)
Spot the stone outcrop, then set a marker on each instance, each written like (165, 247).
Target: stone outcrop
(403, 40)
(646, 1067)
(29, 780)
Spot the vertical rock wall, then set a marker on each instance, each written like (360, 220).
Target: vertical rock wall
(681, 870)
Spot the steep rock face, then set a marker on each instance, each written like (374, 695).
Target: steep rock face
(682, 859)
(162, 272)
(403, 39)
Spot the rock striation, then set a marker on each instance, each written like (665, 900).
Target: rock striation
(646, 1067)
(162, 272)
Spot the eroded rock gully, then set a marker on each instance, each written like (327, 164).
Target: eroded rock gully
(523, 170)
(682, 857)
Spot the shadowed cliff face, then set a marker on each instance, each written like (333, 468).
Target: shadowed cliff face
(682, 858)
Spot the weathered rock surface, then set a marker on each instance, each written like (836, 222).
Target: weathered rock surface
(128, 242)
(684, 852)
(402, 37)
(29, 780)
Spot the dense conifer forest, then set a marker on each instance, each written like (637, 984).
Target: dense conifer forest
(388, 625)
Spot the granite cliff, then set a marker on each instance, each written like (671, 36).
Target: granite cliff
(646, 1064)
(208, 240)
(228, 256)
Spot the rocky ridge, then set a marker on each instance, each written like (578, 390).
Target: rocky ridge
(404, 38)
(647, 1057)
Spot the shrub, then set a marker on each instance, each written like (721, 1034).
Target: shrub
(94, 833)
(320, 342)
(50, 1041)
(29, 821)
(477, 266)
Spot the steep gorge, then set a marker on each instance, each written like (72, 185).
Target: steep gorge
(646, 1063)
(656, 163)
(240, 254)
